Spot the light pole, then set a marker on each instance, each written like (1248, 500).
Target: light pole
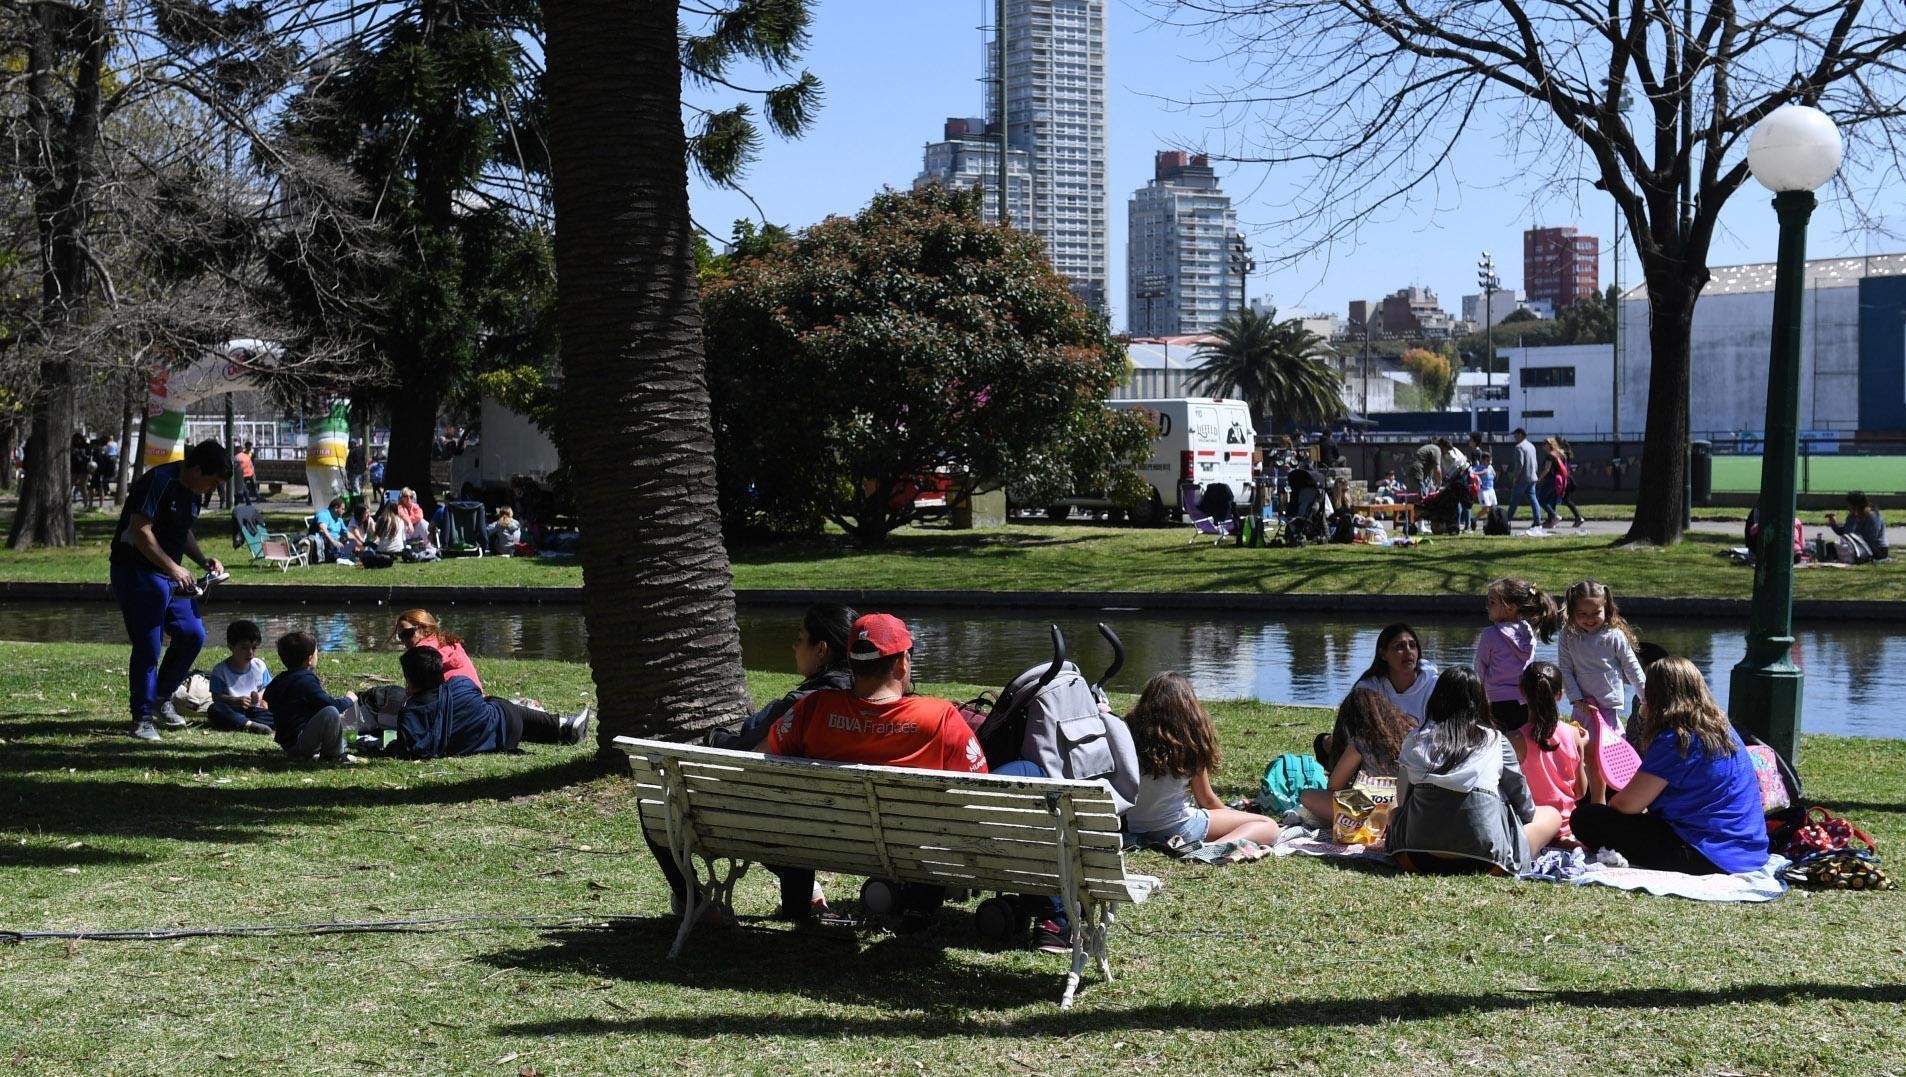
(1487, 280)
(1793, 152)
(1152, 286)
(1242, 264)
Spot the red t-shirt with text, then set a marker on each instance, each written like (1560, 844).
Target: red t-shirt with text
(919, 732)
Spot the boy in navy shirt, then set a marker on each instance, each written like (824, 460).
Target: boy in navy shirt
(308, 721)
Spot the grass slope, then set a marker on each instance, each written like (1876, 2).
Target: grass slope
(1281, 966)
(1033, 557)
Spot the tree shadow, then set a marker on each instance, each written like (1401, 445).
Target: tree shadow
(49, 856)
(169, 810)
(1215, 1016)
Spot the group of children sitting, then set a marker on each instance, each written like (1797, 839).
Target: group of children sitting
(441, 710)
(395, 530)
(1487, 770)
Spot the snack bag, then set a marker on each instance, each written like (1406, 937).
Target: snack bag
(1362, 811)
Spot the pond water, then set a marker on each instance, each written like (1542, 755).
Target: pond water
(1856, 672)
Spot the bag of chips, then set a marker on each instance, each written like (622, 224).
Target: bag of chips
(1362, 811)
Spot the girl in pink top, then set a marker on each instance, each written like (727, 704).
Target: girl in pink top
(417, 628)
(1551, 751)
(1519, 614)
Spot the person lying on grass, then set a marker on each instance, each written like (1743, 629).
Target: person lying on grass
(447, 716)
(307, 721)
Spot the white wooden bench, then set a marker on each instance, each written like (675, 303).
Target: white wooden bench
(1039, 836)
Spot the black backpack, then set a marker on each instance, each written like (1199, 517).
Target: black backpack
(1498, 522)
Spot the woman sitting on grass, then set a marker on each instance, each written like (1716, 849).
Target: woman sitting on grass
(1177, 751)
(1399, 673)
(1461, 801)
(1367, 739)
(1695, 804)
(417, 628)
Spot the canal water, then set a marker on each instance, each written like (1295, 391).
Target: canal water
(1856, 672)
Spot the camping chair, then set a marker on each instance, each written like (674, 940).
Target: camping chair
(1213, 512)
(461, 527)
(248, 530)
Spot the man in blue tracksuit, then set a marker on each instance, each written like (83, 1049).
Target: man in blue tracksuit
(149, 579)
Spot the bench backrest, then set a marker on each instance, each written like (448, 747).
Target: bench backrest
(972, 831)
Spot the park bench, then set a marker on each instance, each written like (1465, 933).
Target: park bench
(1039, 836)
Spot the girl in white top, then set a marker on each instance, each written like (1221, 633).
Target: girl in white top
(1177, 750)
(1399, 673)
(1596, 653)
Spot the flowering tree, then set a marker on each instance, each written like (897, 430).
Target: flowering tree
(911, 339)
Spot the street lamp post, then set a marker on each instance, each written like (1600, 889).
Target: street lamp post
(1242, 264)
(1153, 286)
(1793, 151)
(1487, 280)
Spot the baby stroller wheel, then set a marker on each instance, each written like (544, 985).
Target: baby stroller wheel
(878, 897)
(996, 920)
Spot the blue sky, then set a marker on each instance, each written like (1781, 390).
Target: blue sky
(895, 69)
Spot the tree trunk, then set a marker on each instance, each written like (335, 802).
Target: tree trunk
(45, 515)
(658, 598)
(1661, 489)
(135, 385)
(413, 428)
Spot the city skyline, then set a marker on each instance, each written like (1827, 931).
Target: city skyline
(894, 74)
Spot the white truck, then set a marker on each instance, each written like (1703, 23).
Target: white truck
(1197, 440)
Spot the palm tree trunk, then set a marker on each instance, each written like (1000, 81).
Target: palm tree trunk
(634, 423)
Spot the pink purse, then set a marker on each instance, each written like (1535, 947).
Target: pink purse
(1610, 751)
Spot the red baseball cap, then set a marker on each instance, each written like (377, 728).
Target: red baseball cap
(877, 635)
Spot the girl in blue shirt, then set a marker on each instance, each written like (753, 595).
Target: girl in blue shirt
(1695, 804)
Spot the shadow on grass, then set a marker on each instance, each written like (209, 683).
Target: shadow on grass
(47, 856)
(1215, 1016)
(914, 972)
(67, 805)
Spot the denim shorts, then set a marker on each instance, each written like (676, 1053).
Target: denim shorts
(1192, 830)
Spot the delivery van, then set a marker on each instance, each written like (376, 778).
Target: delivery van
(1197, 440)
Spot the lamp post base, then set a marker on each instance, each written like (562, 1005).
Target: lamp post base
(1765, 701)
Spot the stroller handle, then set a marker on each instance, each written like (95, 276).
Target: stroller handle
(1058, 659)
(1118, 655)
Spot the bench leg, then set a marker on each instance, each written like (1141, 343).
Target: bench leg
(1099, 933)
(1078, 969)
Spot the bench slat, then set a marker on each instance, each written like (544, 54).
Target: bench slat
(1095, 806)
(944, 817)
(715, 828)
(940, 788)
(999, 877)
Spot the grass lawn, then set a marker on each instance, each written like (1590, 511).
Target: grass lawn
(1276, 966)
(1823, 474)
(1087, 557)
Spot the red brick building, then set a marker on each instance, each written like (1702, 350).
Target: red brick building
(1559, 266)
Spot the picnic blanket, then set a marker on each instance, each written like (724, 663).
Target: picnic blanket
(1212, 852)
(1571, 866)
(1313, 841)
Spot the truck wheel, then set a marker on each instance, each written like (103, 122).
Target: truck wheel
(1056, 513)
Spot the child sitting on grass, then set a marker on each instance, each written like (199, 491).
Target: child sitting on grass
(309, 721)
(1552, 752)
(1461, 801)
(238, 683)
(1177, 750)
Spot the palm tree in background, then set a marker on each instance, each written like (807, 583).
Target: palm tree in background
(1280, 369)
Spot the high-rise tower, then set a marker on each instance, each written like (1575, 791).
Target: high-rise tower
(1055, 112)
(1177, 249)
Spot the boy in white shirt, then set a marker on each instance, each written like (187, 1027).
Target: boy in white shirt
(238, 684)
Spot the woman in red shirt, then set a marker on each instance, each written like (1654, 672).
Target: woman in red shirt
(417, 628)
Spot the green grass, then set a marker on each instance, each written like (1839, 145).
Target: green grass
(1279, 966)
(1824, 474)
(1085, 557)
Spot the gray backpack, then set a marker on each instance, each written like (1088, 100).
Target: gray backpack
(1053, 716)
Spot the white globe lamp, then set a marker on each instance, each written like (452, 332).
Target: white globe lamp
(1796, 148)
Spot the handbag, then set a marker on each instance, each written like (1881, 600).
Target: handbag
(1838, 869)
(1825, 832)
(1773, 787)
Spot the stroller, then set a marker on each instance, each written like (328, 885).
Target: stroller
(461, 529)
(1442, 511)
(1052, 716)
(1306, 509)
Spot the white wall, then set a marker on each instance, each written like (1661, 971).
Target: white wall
(508, 444)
